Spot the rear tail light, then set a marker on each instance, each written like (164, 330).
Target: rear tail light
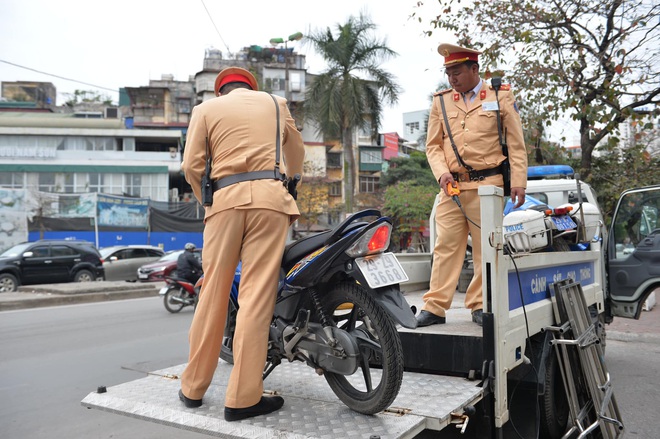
(376, 240)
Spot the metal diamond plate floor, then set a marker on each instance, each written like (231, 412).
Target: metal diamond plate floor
(311, 410)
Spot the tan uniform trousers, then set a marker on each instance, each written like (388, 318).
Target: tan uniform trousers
(257, 238)
(452, 233)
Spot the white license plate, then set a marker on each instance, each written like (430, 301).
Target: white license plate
(143, 276)
(563, 222)
(163, 290)
(381, 270)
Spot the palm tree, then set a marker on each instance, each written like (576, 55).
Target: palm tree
(339, 100)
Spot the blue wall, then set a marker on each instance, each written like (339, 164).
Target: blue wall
(166, 240)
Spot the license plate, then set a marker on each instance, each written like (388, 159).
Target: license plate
(142, 276)
(563, 222)
(163, 290)
(381, 270)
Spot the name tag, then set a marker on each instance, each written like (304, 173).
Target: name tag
(489, 106)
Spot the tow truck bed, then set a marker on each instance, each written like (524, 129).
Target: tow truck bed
(311, 409)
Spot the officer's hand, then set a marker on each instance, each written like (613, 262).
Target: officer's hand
(445, 179)
(517, 193)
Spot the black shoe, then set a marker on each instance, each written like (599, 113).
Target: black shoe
(426, 318)
(268, 404)
(478, 317)
(190, 403)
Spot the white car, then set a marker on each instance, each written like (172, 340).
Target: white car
(121, 262)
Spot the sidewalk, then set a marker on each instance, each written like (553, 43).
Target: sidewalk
(646, 329)
(35, 296)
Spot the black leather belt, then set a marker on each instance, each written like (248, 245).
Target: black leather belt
(476, 175)
(245, 176)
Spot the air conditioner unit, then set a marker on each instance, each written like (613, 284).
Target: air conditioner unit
(111, 112)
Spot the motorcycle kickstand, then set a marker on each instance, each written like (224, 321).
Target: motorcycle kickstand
(270, 366)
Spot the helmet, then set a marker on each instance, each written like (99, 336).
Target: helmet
(190, 246)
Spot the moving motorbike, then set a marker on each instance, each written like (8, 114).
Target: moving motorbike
(338, 302)
(179, 293)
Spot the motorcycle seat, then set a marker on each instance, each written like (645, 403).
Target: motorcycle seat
(297, 250)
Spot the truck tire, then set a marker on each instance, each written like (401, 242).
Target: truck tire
(554, 403)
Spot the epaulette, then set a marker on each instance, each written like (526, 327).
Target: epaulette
(503, 87)
(441, 92)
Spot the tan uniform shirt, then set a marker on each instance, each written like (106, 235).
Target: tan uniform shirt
(241, 128)
(474, 128)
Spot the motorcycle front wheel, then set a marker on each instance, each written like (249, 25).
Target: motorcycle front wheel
(378, 379)
(170, 300)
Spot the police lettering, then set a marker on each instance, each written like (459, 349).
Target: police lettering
(513, 228)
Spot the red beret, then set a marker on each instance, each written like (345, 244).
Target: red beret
(234, 74)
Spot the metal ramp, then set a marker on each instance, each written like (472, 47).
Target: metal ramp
(310, 409)
(591, 401)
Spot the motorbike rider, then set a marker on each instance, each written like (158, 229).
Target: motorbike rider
(188, 266)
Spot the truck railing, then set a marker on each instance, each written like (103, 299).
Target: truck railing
(526, 307)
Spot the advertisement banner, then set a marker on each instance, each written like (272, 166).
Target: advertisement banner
(122, 211)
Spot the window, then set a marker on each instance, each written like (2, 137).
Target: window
(335, 189)
(334, 160)
(133, 184)
(184, 105)
(47, 182)
(95, 182)
(40, 252)
(367, 156)
(369, 184)
(295, 81)
(154, 253)
(62, 250)
(11, 180)
(275, 84)
(412, 127)
(68, 184)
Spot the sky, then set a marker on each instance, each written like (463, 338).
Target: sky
(103, 46)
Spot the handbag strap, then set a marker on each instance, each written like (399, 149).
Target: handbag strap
(277, 137)
(451, 138)
(258, 175)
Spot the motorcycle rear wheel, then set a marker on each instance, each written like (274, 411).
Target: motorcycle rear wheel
(174, 306)
(378, 379)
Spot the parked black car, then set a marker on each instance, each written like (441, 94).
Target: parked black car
(49, 261)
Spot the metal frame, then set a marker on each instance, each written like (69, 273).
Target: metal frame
(593, 407)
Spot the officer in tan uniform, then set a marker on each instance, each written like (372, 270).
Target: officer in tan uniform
(248, 222)
(471, 119)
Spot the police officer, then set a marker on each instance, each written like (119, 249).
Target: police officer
(188, 266)
(248, 222)
(469, 118)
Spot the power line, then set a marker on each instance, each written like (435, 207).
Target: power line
(216, 27)
(57, 76)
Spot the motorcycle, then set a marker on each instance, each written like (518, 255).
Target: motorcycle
(179, 293)
(338, 303)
